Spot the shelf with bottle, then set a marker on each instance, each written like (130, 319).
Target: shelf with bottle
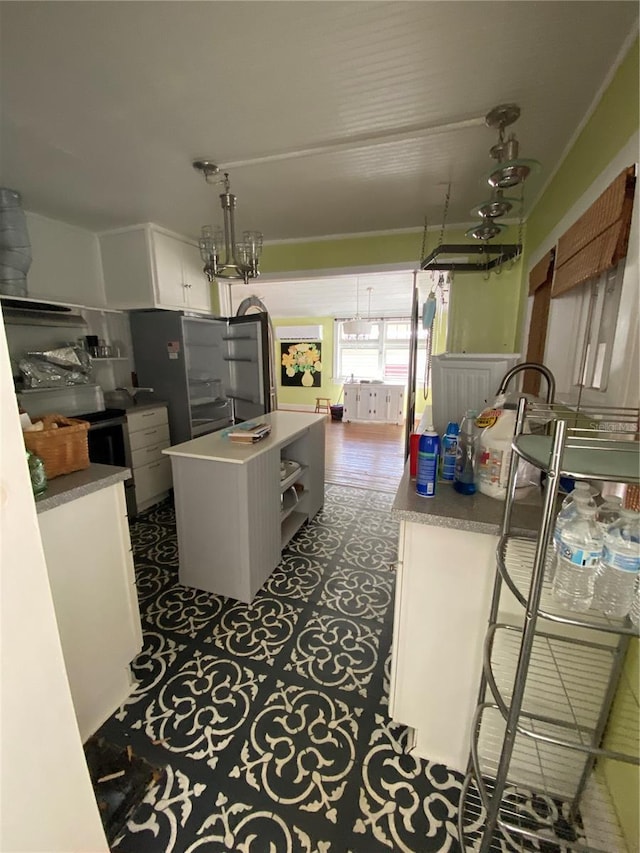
(538, 729)
(516, 556)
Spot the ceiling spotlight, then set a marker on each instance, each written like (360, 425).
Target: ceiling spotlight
(485, 231)
(495, 206)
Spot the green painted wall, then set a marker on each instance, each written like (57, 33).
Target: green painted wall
(307, 396)
(484, 312)
(613, 122)
(342, 252)
(622, 779)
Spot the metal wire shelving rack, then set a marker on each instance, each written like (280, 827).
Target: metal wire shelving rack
(549, 677)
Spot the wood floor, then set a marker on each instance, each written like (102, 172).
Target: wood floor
(368, 456)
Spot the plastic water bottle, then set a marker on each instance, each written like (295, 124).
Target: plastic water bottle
(464, 476)
(634, 613)
(620, 565)
(579, 553)
(449, 448)
(608, 512)
(427, 473)
(581, 492)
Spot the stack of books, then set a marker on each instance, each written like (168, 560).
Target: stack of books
(249, 433)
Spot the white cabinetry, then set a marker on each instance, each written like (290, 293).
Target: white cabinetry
(148, 436)
(88, 554)
(373, 402)
(149, 267)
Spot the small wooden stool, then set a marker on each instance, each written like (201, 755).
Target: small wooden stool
(323, 404)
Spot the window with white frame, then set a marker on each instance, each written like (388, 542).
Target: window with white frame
(582, 331)
(597, 329)
(381, 354)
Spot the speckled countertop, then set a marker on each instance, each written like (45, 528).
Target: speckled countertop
(476, 513)
(69, 487)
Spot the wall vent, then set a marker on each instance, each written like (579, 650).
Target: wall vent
(299, 333)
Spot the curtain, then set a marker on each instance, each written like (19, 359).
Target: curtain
(540, 288)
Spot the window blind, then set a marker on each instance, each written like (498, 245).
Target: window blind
(598, 240)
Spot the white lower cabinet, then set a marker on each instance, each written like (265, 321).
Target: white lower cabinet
(441, 601)
(148, 267)
(90, 566)
(148, 436)
(373, 402)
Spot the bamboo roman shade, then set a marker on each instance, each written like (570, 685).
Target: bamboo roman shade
(598, 240)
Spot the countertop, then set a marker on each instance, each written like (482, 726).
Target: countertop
(476, 513)
(217, 447)
(143, 400)
(70, 487)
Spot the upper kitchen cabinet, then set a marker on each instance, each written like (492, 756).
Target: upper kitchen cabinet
(66, 263)
(149, 267)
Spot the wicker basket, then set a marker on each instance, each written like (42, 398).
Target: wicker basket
(63, 448)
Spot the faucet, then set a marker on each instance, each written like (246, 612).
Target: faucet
(531, 365)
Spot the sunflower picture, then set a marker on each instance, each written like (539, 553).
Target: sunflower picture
(301, 364)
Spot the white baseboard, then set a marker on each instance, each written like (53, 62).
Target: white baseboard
(293, 407)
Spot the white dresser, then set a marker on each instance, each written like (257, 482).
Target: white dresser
(148, 430)
(371, 401)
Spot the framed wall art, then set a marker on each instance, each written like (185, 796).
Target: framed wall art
(301, 364)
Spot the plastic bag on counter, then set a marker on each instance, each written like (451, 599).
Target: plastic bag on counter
(56, 368)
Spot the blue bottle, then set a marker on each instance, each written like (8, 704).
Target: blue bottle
(449, 447)
(427, 473)
(464, 475)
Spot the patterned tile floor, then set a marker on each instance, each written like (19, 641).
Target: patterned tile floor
(271, 718)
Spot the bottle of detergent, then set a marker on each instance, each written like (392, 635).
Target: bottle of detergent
(493, 458)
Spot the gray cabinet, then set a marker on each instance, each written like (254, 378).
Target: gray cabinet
(234, 511)
(148, 431)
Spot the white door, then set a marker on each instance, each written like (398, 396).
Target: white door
(350, 411)
(171, 292)
(197, 286)
(394, 399)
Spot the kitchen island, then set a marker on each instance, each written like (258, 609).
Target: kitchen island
(445, 576)
(237, 505)
(85, 537)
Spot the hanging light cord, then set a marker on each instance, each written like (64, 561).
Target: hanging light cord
(445, 212)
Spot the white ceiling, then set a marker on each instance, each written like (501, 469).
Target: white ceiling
(371, 295)
(106, 104)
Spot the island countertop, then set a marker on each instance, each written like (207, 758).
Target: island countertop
(69, 487)
(218, 447)
(475, 513)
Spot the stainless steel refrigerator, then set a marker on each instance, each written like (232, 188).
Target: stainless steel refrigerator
(211, 371)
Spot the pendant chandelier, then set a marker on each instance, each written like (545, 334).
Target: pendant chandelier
(510, 171)
(223, 256)
(358, 326)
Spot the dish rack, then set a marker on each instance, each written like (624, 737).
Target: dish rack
(550, 675)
